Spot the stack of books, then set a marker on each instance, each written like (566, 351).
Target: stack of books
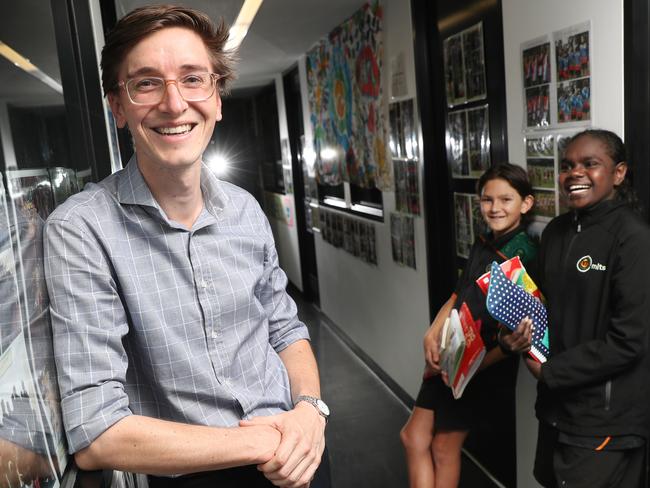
(461, 349)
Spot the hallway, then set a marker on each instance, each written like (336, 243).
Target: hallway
(363, 433)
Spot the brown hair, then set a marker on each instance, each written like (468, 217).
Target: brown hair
(515, 175)
(144, 21)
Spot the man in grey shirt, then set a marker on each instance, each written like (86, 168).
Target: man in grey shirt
(178, 349)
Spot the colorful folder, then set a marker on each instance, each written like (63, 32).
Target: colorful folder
(509, 304)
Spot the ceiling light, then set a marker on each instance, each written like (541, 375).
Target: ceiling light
(25, 64)
(244, 20)
(328, 154)
(218, 163)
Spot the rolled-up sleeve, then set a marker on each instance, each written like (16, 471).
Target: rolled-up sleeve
(284, 326)
(89, 323)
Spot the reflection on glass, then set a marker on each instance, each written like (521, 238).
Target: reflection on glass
(38, 172)
(32, 444)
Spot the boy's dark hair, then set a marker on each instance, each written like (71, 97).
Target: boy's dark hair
(144, 21)
(616, 150)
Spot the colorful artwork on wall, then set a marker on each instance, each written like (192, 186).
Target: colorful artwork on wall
(345, 95)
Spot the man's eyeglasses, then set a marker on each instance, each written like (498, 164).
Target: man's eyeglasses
(150, 90)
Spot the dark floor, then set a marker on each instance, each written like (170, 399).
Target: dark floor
(363, 433)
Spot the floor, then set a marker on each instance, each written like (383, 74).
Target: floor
(363, 433)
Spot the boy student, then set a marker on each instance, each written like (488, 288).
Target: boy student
(178, 349)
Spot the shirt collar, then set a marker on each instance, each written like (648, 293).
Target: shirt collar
(133, 189)
(215, 198)
(500, 241)
(597, 211)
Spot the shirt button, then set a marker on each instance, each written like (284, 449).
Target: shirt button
(203, 284)
(215, 334)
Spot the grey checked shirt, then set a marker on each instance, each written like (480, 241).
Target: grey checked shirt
(155, 319)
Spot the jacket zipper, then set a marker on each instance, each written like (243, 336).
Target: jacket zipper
(576, 219)
(608, 385)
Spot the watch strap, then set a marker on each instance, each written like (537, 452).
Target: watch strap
(316, 403)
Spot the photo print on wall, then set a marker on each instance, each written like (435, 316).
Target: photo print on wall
(468, 142)
(573, 67)
(464, 65)
(536, 72)
(463, 223)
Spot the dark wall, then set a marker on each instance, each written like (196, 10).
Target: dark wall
(493, 443)
(637, 95)
(40, 136)
(249, 137)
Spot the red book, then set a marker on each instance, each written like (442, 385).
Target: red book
(463, 349)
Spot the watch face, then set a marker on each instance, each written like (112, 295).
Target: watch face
(322, 406)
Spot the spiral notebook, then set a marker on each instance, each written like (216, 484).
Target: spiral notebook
(509, 304)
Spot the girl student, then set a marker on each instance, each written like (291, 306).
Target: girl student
(593, 391)
(439, 424)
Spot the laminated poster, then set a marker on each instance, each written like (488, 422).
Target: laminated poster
(403, 239)
(468, 142)
(540, 162)
(463, 223)
(457, 144)
(464, 65)
(478, 138)
(573, 67)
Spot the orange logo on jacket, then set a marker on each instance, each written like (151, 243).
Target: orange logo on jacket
(585, 263)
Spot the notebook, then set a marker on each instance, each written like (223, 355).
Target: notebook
(509, 304)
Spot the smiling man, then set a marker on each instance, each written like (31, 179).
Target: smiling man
(178, 349)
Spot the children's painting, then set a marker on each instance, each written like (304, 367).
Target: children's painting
(345, 100)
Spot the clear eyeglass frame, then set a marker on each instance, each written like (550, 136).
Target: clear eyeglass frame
(164, 82)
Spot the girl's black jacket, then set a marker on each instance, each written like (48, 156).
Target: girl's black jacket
(594, 270)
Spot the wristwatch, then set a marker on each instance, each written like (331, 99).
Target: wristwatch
(318, 404)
